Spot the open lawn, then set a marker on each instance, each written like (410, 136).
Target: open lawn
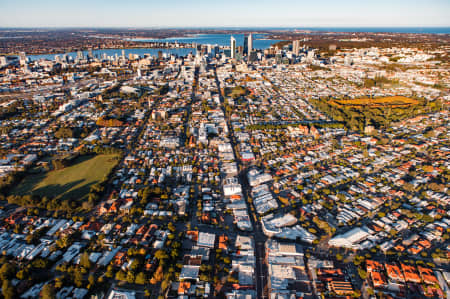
(73, 182)
(236, 91)
(396, 101)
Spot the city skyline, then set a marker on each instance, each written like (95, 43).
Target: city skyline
(200, 13)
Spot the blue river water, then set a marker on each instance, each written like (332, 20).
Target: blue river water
(113, 52)
(204, 39)
(259, 41)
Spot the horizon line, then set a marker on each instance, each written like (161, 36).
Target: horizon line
(222, 27)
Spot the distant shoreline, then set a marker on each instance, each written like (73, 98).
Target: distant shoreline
(39, 42)
(334, 29)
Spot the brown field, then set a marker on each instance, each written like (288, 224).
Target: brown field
(395, 101)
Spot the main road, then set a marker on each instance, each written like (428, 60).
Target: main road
(258, 235)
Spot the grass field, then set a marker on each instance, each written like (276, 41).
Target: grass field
(235, 92)
(396, 101)
(73, 182)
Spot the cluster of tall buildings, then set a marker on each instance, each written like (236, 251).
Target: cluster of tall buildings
(246, 50)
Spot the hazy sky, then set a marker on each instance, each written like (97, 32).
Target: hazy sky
(196, 13)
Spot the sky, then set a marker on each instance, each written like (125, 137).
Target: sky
(225, 13)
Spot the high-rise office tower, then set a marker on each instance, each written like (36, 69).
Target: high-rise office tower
(310, 57)
(80, 55)
(3, 61)
(240, 50)
(216, 50)
(246, 45)
(90, 54)
(296, 47)
(233, 47)
(249, 44)
(22, 58)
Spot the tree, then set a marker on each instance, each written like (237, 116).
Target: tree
(362, 273)
(7, 271)
(78, 278)
(158, 275)
(22, 274)
(91, 280)
(64, 133)
(48, 291)
(130, 277)
(174, 254)
(63, 242)
(40, 263)
(7, 289)
(109, 271)
(84, 261)
(171, 227)
(356, 294)
(59, 281)
(164, 284)
(161, 255)
(121, 276)
(134, 265)
(141, 278)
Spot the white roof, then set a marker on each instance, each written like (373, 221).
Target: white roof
(206, 239)
(350, 238)
(116, 294)
(189, 272)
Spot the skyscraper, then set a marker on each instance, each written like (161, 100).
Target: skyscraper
(310, 57)
(80, 55)
(22, 58)
(246, 44)
(216, 50)
(296, 47)
(90, 54)
(233, 48)
(3, 61)
(249, 44)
